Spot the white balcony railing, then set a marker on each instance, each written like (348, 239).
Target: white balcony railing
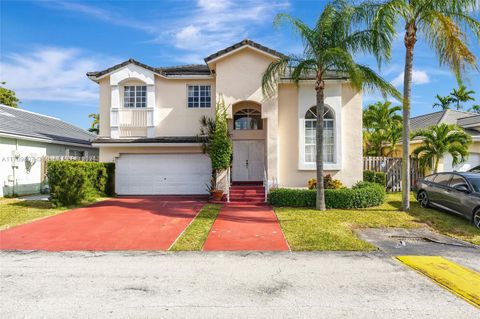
(123, 119)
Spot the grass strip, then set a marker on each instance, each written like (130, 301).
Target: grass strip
(193, 238)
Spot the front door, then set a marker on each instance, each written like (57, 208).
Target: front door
(248, 161)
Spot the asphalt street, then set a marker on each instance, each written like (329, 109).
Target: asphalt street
(221, 285)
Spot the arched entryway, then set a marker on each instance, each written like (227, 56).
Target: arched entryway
(248, 135)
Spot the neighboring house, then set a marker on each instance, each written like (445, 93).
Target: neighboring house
(470, 122)
(25, 137)
(149, 121)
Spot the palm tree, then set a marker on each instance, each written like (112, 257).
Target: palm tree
(379, 119)
(328, 48)
(443, 102)
(394, 137)
(444, 24)
(461, 95)
(95, 126)
(475, 109)
(440, 140)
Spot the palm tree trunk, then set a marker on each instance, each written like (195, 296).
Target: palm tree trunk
(410, 39)
(320, 89)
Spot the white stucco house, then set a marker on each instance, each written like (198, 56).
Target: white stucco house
(26, 137)
(149, 121)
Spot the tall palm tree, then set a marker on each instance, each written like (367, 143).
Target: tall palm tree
(461, 95)
(328, 48)
(439, 141)
(379, 119)
(443, 102)
(444, 24)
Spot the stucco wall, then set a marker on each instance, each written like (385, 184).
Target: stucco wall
(351, 138)
(108, 154)
(28, 178)
(173, 117)
(104, 107)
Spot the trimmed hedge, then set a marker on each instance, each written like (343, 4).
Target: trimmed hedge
(73, 182)
(360, 196)
(375, 177)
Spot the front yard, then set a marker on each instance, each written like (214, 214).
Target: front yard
(308, 229)
(15, 211)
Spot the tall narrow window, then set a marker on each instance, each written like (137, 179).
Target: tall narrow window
(328, 136)
(135, 96)
(199, 96)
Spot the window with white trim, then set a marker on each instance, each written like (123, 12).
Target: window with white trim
(135, 96)
(328, 135)
(199, 96)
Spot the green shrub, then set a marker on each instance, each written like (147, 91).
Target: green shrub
(375, 177)
(361, 196)
(73, 182)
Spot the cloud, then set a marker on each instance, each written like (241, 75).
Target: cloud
(418, 77)
(52, 74)
(202, 28)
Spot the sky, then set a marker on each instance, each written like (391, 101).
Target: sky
(46, 47)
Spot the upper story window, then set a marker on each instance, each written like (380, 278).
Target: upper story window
(247, 119)
(199, 96)
(135, 96)
(328, 135)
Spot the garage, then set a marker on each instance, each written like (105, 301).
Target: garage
(473, 160)
(162, 174)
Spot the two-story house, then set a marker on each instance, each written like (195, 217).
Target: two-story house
(150, 119)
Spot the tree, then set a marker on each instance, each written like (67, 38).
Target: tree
(440, 140)
(95, 126)
(217, 143)
(461, 95)
(328, 49)
(443, 102)
(475, 109)
(381, 120)
(7, 97)
(444, 24)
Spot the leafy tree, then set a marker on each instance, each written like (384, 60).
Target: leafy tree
(440, 140)
(381, 121)
(328, 48)
(7, 97)
(461, 95)
(95, 126)
(444, 24)
(443, 102)
(394, 137)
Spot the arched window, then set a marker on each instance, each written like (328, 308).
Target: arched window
(328, 135)
(247, 119)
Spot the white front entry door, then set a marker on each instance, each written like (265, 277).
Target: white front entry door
(248, 161)
(162, 174)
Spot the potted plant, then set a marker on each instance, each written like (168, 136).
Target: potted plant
(217, 145)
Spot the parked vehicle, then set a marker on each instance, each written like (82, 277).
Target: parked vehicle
(455, 192)
(476, 169)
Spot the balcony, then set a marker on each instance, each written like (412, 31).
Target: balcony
(132, 122)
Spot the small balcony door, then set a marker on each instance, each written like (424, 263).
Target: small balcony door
(248, 161)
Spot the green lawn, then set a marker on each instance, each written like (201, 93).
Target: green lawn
(308, 229)
(196, 233)
(14, 211)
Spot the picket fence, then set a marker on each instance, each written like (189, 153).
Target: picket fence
(392, 167)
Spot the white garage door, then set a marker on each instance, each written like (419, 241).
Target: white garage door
(472, 161)
(162, 174)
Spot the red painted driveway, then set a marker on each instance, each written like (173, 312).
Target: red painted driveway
(140, 223)
(246, 227)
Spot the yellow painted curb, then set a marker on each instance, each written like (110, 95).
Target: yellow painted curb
(460, 280)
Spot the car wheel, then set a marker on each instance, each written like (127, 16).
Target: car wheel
(423, 199)
(476, 218)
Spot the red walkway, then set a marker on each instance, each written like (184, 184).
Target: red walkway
(141, 223)
(246, 227)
